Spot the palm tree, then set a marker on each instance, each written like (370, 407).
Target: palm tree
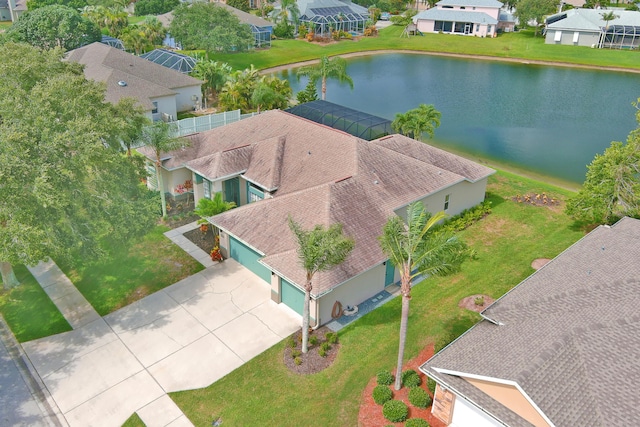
(327, 69)
(418, 248)
(159, 137)
(319, 249)
(289, 11)
(210, 207)
(153, 30)
(134, 39)
(214, 74)
(415, 122)
(115, 20)
(606, 17)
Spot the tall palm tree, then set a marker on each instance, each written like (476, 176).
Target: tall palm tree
(417, 248)
(415, 122)
(214, 74)
(319, 249)
(606, 17)
(134, 39)
(153, 30)
(327, 69)
(115, 20)
(289, 11)
(159, 137)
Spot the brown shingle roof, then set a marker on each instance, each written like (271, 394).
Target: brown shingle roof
(144, 79)
(569, 336)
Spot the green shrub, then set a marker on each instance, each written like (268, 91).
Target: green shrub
(410, 378)
(395, 411)
(313, 340)
(322, 352)
(384, 378)
(416, 422)
(297, 361)
(295, 353)
(419, 397)
(331, 337)
(325, 346)
(431, 385)
(382, 394)
(291, 343)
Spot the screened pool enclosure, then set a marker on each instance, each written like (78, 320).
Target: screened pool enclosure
(621, 37)
(354, 122)
(175, 61)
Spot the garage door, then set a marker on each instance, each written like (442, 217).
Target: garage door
(249, 258)
(292, 296)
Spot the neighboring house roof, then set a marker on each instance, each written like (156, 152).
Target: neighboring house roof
(590, 19)
(470, 3)
(144, 79)
(320, 176)
(456, 15)
(244, 17)
(568, 336)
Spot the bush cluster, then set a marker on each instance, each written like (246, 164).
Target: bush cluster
(395, 411)
(419, 397)
(382, 394)
(410, 378)
(313, 340)
(431, 385)
(416, 422)
(468, 217)
(331, 337)
(384, 378)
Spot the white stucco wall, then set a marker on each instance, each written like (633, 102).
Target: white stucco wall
(166, 104)
(175, 177)
(353, 292)
(567, 38)
(183, 99)
(467, 415)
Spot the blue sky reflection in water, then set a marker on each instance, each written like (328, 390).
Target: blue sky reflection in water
(551, 120)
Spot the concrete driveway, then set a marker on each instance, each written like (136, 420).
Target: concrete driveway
(184, 337)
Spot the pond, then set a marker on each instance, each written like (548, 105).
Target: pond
(546, 119)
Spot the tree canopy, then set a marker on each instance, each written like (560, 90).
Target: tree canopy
(534, 10)
(155, 7)
(54, 26)
(611, 189)
(66, 192)
(247, 91)
(210, 27)
(415, 122)
(327, 68)
(73, 4)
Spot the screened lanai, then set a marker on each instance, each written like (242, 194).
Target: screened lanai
(323, 16)
(113, 42)
(354, 122)
(175, 61)
(621, 37)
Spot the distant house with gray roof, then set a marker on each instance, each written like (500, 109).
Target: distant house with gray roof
(323, 16)
(277, 164)
(560, 349)
(10, 10)
(160, 91)
(478, 18)
(585, 27)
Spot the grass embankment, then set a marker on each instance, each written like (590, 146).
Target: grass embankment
(264, 392)
(516, 46)
(133, 272)
(29, 311)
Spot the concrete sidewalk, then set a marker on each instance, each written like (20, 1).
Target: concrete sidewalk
(185, 336)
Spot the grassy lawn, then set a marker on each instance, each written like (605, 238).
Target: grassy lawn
(29, 311)
(521, 45)
(134, 421)
(264, 392)
(133, 272)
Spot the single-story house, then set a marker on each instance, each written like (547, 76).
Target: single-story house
(560, 349)
(161, 91)
(275, 165)
(466, 17)
(323, 16)
(586, 27)
(260, 28)
(10, 10)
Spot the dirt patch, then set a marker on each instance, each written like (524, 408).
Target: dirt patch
(476, 302)
(311, 361)
(537, 199)
(539, 263)
(370, 414)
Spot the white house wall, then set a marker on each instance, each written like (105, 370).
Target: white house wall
(176, 177)
(567, 37)
(353, 292)
(467, 415)
(166, 104)
(183, 98)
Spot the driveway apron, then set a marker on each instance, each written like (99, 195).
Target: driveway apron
(183, 337)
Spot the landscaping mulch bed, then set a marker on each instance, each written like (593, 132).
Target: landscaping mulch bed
(204, 241)
(312, 362)
(470, 302)
(370, 414)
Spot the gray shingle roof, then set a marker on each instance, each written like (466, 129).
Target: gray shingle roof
(591, 19)
(569, 336)
(321, 176)
(144, 78)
